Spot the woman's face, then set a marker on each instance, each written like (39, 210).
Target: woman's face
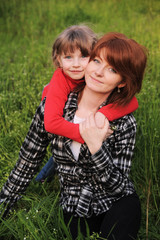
(101, 77)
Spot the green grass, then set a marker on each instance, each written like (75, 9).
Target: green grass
(27, 31)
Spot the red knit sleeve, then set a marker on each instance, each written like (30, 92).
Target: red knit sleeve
(114, 112)
(57, 95)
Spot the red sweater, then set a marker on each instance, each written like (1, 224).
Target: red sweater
(56, 93)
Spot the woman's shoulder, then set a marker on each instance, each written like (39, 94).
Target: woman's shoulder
(72, 100)
(40, 109)
(126, 123)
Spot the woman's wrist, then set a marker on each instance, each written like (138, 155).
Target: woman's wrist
(93, 148)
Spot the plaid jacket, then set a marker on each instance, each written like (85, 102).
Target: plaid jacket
(88, 185)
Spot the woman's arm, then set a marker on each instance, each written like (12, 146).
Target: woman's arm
(112, 161)
(93, 135)
(31, 155)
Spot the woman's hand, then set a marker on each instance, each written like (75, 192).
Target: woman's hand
(92, 135)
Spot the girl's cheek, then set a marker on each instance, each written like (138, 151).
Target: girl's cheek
(86, 65)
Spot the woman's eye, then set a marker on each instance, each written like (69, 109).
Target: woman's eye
(112, 70)
(96, 60)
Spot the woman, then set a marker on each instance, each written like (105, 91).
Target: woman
(94, 176)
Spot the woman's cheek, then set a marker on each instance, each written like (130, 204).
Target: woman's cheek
(89, 67)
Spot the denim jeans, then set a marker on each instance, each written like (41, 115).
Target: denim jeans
(47, 171)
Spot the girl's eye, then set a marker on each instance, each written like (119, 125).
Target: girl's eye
(68, 57)
(84, 56)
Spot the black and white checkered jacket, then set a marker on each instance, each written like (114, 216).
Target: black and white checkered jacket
(88, 185)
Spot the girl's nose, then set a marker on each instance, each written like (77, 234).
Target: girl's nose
(76, 62)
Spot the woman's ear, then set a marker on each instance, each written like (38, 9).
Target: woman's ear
(121, 85)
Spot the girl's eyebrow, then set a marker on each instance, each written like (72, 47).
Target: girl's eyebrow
(67, 54)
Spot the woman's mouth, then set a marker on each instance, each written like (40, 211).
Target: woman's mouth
(96, 80)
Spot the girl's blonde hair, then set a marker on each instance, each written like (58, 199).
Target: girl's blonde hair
(74, 37)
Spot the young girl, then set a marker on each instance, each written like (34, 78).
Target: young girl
(71, 51)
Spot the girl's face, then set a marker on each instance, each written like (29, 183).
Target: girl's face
(101, 77)
(74, 64)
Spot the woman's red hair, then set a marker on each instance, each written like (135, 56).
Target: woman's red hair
(128, 58)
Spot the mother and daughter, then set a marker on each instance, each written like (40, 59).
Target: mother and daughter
(93, 155)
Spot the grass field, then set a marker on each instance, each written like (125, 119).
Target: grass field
(27, 31)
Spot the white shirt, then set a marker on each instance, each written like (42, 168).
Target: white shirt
(75, 146)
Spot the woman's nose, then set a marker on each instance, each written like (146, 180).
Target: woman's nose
(99, 71)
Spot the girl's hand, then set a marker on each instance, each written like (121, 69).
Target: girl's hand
(92, 135)
(100, 119)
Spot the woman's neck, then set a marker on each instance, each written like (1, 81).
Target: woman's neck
(89, 102)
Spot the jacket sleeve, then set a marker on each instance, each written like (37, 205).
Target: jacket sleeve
(112, 111)
(31, 155)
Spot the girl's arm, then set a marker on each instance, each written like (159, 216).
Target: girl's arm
(113, 112)
(57, 95)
